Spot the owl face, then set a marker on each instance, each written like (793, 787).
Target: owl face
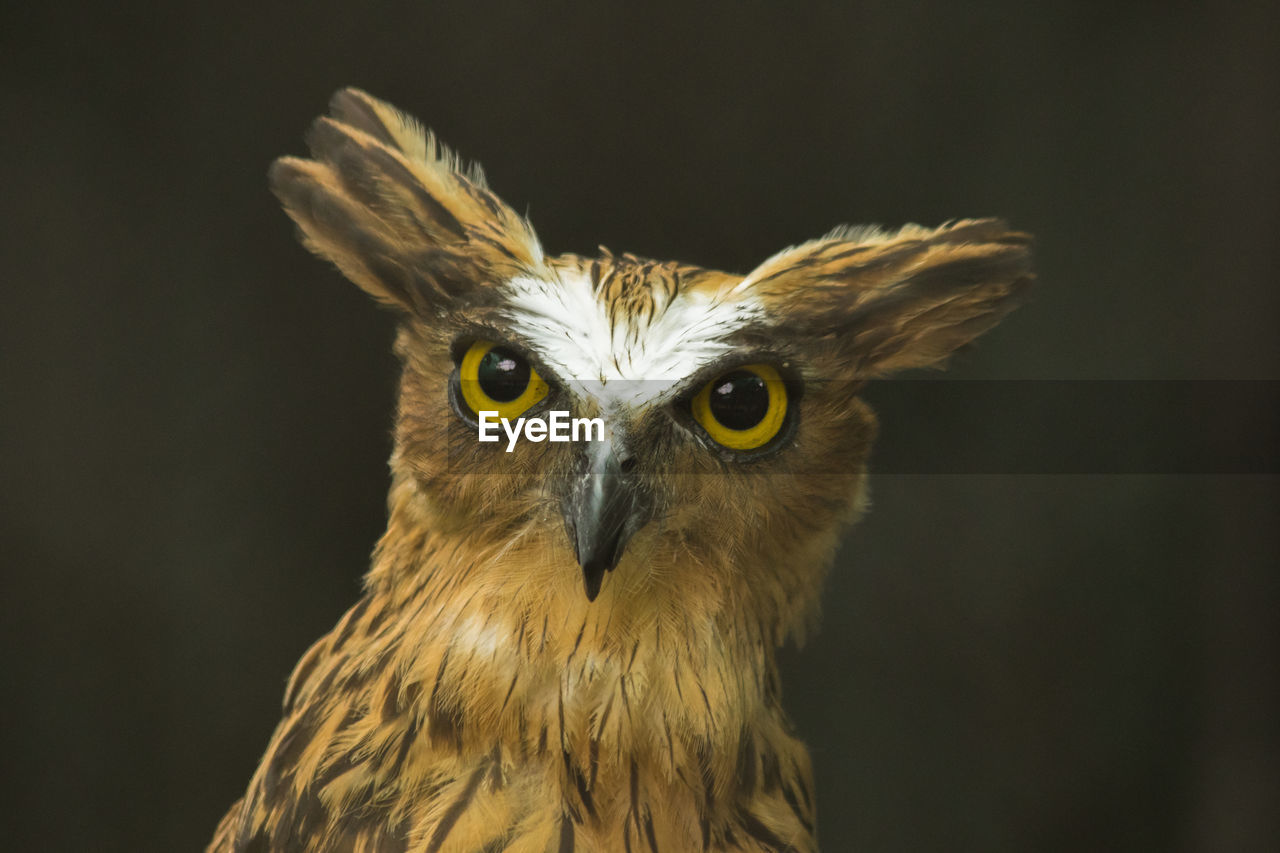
(732, 446)
(721, 448)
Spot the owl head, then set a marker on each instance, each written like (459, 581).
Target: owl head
(729, 443)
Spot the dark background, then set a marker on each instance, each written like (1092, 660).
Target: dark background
(196, 413)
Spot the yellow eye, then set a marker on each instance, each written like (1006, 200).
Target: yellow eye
(743, 409)
(494, 378)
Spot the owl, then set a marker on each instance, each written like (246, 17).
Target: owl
(569, 643)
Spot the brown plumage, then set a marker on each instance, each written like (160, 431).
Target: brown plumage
(570, 646)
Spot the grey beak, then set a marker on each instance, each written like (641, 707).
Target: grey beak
(603, 509)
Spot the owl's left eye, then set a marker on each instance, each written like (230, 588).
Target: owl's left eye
(494, 378)
(743, 409)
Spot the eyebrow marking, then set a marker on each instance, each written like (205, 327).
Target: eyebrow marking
(635, 346)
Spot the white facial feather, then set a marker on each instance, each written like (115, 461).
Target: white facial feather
(635, 361)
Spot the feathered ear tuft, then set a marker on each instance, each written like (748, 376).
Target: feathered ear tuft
(896, 300)
(397, 212)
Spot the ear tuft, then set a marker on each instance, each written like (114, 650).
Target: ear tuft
(398, 213)
(896, 300)
(400, 132)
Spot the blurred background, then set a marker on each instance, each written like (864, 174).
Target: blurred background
(1030, 652)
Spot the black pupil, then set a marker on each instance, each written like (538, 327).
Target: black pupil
(503, 375)
(739, 400)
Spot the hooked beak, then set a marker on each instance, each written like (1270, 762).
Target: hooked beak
(603, 510)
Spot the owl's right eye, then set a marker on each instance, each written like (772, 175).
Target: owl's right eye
(494, 378)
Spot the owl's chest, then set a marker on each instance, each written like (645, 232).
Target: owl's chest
(541, 807)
